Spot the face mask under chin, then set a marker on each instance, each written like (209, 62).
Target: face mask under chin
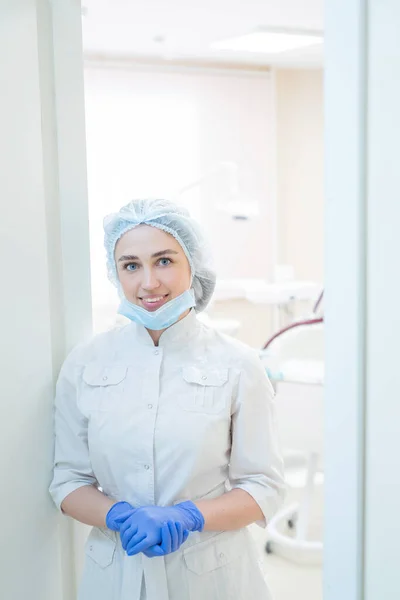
(163, 317)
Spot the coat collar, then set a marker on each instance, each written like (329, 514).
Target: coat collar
(179, 332)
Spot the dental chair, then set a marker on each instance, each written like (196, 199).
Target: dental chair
(223, 325)
(294, 361)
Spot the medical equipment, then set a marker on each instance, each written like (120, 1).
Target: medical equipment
(294, 357)
(223, 325)
(232, 201)
(280, 296)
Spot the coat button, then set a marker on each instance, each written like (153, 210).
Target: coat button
(105, 378)
(204, 377)
(90, 548)
(147, 467)
(149, 406)
(222, 555)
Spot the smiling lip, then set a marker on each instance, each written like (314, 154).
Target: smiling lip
(152, 303)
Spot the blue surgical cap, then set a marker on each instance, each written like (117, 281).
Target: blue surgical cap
(174, 220)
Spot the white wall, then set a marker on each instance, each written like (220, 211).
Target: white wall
(38, 319)
(300, 172)
(382, 474)
(344, 300)
(362, 300)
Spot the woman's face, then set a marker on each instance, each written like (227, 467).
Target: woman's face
(152, 267)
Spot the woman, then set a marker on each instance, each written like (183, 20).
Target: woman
(165, 434)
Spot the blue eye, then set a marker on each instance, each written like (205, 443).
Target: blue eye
(164, 262)
(131, 267)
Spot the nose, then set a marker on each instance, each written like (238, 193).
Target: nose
(149, 281)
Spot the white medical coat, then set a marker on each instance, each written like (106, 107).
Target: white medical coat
(186, 420)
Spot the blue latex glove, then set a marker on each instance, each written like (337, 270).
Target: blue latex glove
(140, 529)
(118, 509)
(172, 537)
(172, 534)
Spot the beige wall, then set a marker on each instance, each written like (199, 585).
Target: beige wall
(299, 107)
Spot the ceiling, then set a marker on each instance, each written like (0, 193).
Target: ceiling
(176, 30)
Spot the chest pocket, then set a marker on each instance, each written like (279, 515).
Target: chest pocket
(103, 387)
(205, 390)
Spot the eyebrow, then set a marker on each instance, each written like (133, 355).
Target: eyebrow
(155, 255)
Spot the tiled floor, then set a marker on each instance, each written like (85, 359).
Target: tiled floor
(288, 580)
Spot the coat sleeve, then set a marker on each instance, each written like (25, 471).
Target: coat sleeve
(256, 463)
(72, 467)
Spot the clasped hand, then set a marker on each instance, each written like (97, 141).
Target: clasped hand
(154, 530)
